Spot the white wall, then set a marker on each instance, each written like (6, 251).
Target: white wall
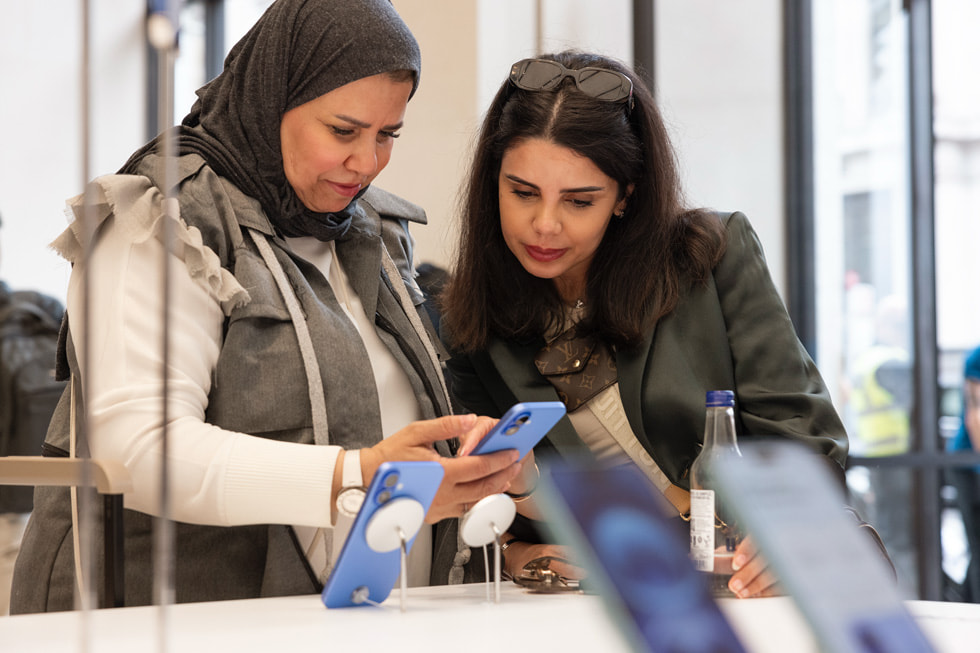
(429, 160)
(40, 121)
(719, 83)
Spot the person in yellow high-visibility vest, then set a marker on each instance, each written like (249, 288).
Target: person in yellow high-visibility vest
(880, 409)
(881, 400)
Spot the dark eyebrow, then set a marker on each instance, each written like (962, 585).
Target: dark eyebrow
(583, 189)
(364, 125)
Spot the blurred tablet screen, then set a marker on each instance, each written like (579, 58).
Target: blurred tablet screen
(636, 552)
(793, 508)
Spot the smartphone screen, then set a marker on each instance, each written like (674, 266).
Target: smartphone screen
(636, 554)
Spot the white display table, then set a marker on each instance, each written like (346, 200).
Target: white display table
(458, 619)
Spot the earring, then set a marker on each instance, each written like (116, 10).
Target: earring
(619, 215)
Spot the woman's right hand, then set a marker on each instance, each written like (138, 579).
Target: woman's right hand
(467, 479)
(521, 553)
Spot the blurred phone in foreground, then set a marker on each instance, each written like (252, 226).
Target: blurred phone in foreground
(361, 575)
(793, 508)
(636, 553)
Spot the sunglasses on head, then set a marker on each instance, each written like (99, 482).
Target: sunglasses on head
(546, 75)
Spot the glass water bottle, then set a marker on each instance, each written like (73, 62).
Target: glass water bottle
(713, 534)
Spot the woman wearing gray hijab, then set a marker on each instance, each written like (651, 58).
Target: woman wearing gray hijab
(295, 321)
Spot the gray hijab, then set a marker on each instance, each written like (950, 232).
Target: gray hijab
(297, 51)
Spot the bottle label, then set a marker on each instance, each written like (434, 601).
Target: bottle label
(703, 529)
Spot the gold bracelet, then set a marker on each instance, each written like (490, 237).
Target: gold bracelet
(524, 496)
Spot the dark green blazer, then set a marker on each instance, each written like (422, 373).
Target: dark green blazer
(732, 334)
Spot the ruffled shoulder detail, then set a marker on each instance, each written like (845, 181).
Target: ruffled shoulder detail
(138, 207)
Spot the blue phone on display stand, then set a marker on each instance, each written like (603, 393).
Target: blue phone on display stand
(362, 575)
(521, 427)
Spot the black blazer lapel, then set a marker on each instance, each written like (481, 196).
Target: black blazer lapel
(514, 363)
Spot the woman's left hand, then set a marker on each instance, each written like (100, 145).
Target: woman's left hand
(751, 577)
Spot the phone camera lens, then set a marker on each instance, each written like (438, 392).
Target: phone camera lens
(518, 423)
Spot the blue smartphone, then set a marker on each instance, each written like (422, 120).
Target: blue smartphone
(521, 427)
(362, 575)
(636, 553)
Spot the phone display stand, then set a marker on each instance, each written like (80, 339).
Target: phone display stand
(391, 527)
(485, 522)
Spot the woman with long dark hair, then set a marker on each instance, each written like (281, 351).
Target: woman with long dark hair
(583, 275)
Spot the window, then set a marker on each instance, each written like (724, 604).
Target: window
(956, 133)
(896, 174)
(862, 233)
(208, 30)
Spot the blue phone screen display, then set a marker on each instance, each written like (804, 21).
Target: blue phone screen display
(643, 554)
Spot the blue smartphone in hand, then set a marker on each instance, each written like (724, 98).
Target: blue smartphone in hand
(521, 427)
(363, 575)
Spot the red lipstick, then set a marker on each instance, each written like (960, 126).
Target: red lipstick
(544, 254)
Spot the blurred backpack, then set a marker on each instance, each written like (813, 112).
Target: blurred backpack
(29, 324)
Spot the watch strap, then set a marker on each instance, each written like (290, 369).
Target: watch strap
(351, 475)
(351, 478)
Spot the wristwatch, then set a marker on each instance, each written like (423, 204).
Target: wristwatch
(349, 500)
(352, 490)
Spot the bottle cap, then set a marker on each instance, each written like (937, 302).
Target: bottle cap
(720, 398)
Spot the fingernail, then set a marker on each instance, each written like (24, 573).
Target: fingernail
(467, 421)
(737, 562)
(736, 586)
